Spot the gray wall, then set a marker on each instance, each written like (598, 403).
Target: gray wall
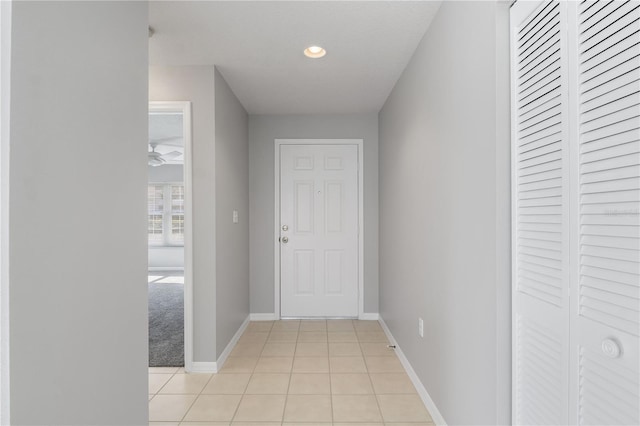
(444, 213)
(263, 130)
(78, 132)
(232, 193)
(5, 85)
(196, 84)
(220, 185)
(165, 257)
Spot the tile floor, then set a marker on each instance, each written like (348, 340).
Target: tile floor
(294, 372)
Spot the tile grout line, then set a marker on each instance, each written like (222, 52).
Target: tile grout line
(293, 360)
(196, 398)
(286, 398)
(235, 413)
(375, 395)
(165, 383)
(330, 380)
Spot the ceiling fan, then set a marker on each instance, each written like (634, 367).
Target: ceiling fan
(156, 159)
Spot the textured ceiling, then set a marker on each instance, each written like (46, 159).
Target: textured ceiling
(257, 46)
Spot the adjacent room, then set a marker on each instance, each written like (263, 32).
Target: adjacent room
(166, 202)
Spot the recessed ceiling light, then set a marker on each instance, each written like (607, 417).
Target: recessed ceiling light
(314, 52)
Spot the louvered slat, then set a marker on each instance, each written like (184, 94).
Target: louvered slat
(540, 367)
(611, 287)
(629, 255)
(608, 392)
(549, 62)
(611, 105)
(609, 22)
(618, 74)
(597, 49)
(612, 242)
(591, 9)
(610, 157)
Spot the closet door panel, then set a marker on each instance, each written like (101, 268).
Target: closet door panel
(606, 323)
(540, 274)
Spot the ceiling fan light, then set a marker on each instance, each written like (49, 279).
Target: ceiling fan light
(155, 159)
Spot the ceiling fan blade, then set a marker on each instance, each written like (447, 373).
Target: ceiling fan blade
(155, 159)
(171, 155)
(170, 140)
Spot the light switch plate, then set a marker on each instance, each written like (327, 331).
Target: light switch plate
(235, 216)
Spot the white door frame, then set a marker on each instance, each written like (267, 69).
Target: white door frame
(276, 244)
(184, 107)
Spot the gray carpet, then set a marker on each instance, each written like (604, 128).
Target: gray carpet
(166, 325)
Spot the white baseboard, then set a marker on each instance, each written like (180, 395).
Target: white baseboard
(263, 317)
(214, 367)
(234, 340)
(272, 317)
(369, 317)
(202, 367)
(422, 391)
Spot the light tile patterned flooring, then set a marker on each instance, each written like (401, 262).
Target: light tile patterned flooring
(294, 372)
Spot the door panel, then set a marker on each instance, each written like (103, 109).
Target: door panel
(319, 222)
(541, 272)
(576, 180)
(606, 320)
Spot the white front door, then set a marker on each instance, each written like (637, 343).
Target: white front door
(319, 230)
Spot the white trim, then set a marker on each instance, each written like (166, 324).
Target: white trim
(276, 201)
(369, 316)
(185, 108)
(232, 343)
(214, 367)
(263, 317)
(422, 391)
(5, 89)
(202, 367)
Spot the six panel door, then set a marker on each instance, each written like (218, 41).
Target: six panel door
(319, 230)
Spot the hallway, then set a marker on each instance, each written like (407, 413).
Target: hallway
(291, 371)
(498, 197)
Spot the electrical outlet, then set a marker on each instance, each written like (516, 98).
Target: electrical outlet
(420, 327)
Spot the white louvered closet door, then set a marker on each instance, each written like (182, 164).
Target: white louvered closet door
(541, 290)
(576, 212)
(606, 315)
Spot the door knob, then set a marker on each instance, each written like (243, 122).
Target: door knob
(611, 348)
(285, 240)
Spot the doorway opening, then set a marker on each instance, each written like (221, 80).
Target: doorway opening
(169, 236)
